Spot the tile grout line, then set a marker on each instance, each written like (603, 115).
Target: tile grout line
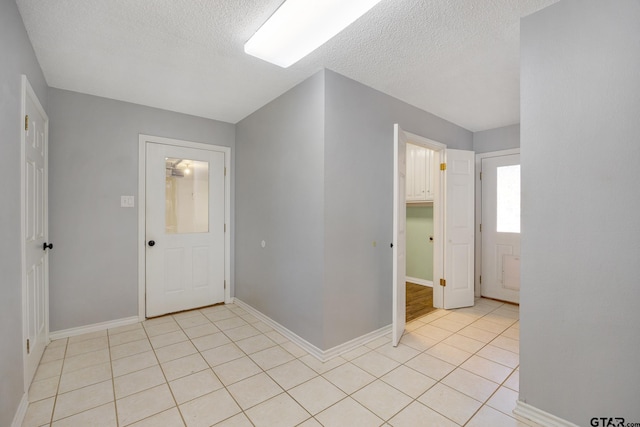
(153, 349)
(55, 398)
(113, 380)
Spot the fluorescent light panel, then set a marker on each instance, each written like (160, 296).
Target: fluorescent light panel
(299, 27)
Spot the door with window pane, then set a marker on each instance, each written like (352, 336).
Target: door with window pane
(184, 228)
(501, 228)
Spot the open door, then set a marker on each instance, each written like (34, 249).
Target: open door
(35, 234)
(458, 212)
(399, 232)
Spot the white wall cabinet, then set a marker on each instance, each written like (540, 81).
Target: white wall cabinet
(419, 174)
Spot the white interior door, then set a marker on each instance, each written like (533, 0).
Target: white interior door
(501, 227)
(35, 247)
(458, 229)
(185, 228)
(399, 233)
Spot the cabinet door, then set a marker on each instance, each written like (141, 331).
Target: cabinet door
(429, 168)
(420, 174)
(410, 177)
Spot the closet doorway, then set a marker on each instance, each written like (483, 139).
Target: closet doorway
(453, 233)
(421, 166)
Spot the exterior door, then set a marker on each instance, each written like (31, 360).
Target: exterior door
(459, 220)
(501, 227)
(35, 247)
(399, 234)
(185, 228)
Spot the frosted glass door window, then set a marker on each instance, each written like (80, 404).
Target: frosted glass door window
(187, 196)
(508, 200)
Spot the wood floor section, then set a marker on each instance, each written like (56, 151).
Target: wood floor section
(419, 301)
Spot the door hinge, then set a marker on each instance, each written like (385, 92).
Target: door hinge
(443, 282)
(225, 228)
(225, 284)
(26, 122)
(225, 171)
(481, 228)
(481, 279)
(443, 166)
(28, 346)
(480, 176)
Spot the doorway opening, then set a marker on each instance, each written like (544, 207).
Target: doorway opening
(454, 232)
(425, 215)
(421, 166)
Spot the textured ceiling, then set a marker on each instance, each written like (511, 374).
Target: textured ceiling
(458, 59)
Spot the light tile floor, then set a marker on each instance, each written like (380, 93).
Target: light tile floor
(221, 366)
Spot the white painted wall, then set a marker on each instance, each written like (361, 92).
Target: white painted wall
(580, 152)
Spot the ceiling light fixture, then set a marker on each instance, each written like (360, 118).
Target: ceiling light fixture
(299, 27)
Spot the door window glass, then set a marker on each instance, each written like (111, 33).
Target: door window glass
(186, 196)
(508, 212)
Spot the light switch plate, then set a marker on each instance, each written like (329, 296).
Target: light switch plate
(127, 201)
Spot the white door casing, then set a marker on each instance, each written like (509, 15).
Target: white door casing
(34, 226)
(399, 233)
(459, 220)
(186, 267)
(500, 247)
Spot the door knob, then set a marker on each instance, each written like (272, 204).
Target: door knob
(152, 242)
(45, 246)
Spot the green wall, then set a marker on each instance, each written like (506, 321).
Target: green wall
(419, 248)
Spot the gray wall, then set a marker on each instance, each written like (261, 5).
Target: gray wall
(497, 139)
(359, 201)
(17, 58)
(280, 199)
(314, 179)
(93, 160)
(580, 227)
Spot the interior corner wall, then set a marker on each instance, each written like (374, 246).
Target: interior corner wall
(18, 58)
(359, 201)
(280, 200)
(93, 160)
(580, 152)
(497, 139)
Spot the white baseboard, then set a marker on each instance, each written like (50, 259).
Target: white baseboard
(417, 281)
(66, 333)
(356, 342)
(21, 412)
(539, 416)
(322, 355)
